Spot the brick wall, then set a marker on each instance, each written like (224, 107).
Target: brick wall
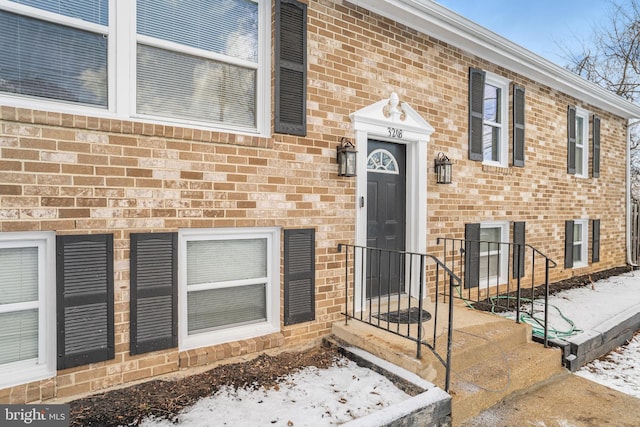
(76, 174)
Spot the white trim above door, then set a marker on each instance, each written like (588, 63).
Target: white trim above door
(394, 121)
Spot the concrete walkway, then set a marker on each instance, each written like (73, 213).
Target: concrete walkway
(566, 400)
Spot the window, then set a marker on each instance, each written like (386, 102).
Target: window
(191, 62)
(488, 118)
(576, 244)
(229, 285)
(580, 245)
(27, 307)
(494, 261)
(582, 143)
(55, 50)
(496, 126)
(578, 143)
(382, 161)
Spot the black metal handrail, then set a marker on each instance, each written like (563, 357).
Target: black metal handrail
(489, 283)
(391, 282)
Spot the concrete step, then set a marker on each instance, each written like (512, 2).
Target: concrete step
(506, 372)
(492, 358)
(474, 344)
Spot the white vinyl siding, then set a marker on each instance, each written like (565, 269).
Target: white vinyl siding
(229, 285)
(27, 307)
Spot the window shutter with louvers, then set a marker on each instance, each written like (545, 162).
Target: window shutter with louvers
(518, 251)
(472, 255)
(154, 292)
(476, 112)
(518, 126)
(596, 147)
(568, 244)
(291, 67)
(85, 299)
(595, 242)
(299, 276)
(571, 140)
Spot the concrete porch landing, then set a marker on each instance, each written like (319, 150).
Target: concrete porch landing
(492, 357)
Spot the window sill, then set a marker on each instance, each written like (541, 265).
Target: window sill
(18, 373)
(228, 335)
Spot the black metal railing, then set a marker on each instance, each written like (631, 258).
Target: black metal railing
(501, 277)
(387, 289)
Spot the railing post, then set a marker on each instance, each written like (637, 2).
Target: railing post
(420, 296)
(449, 338)
(346, 283)
(546, 303)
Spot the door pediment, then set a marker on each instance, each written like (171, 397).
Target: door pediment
(391, 113)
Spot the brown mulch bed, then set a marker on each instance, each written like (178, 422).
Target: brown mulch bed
(507, 304)
(128, 406)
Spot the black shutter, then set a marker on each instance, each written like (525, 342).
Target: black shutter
(476, 113)
(518, 126)
(291, 67)
(85, 299)
(472, 256)
(154, 292)
(519, 249)
(596, 147)
(299, 276)
(568, 244)
(571, 140)
(595, 242)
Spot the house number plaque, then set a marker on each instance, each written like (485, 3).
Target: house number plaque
(395, 133)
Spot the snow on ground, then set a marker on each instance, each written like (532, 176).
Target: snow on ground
(594, 306)
(576, 313)
(619, 370)
(310, 397)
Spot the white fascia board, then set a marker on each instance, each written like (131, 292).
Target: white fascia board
(445, 25)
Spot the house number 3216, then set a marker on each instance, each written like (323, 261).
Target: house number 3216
(395, 133)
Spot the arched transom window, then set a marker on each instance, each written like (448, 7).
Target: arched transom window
(382, 161)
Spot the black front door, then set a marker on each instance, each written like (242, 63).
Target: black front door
(386, 216)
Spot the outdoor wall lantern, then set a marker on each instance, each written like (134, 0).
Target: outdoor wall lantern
(346, 158)
(443, 169)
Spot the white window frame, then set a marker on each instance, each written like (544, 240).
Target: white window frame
(121, 70)
(584, 249)
(44, 366)
(232, 333)
(582, 169)
(503, 150)
(504, 254)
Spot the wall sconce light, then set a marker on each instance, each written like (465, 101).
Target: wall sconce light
(346, 152)
(443, 168)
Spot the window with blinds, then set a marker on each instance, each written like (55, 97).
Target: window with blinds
(55, 50)
(226, 283)
(27, 308)
(189, 61)
(229, 284)
(19, 304)
(198, 60)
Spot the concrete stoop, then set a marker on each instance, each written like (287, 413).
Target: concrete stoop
(492, 358)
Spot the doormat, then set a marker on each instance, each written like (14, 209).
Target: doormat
(409, 315)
